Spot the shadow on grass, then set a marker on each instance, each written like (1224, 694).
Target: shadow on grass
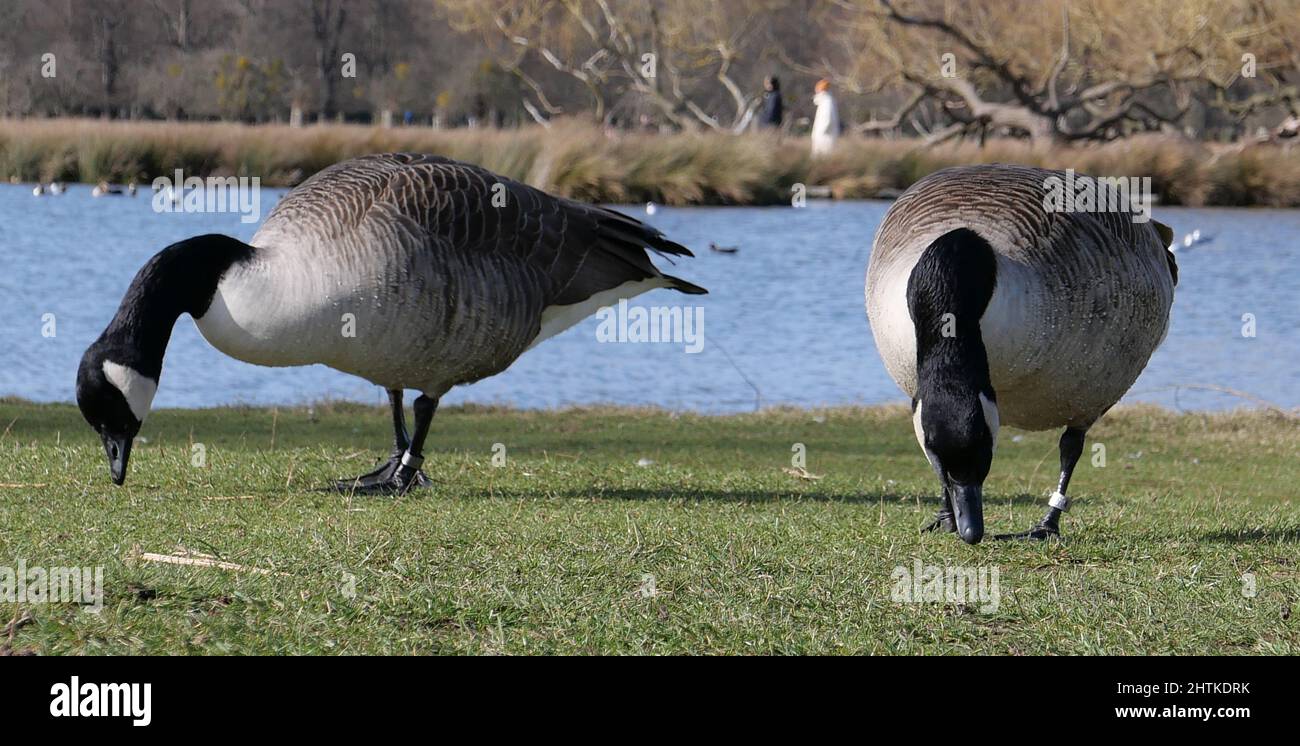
(1287, 535)
(764, 496)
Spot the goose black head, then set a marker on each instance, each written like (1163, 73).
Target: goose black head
(114, 398)
(959, 433)
(119, 374)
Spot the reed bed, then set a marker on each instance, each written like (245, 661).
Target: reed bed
(587, 163)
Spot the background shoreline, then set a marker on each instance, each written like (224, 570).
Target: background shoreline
(588, 163)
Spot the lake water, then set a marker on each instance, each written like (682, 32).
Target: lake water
(785, 312)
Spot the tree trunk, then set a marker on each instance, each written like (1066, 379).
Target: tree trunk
(108, 58)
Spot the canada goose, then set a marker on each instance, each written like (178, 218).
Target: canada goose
(723, 249)
(988, 309)
(411, 271)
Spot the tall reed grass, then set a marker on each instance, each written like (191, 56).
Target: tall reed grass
(586, 163)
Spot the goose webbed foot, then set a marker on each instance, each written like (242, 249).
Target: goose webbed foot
(1039, 533)
(1047, 528)
(943, 523)
(390, 478)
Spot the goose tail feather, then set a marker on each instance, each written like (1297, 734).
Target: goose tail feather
(690, 288)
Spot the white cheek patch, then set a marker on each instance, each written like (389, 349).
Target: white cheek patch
(916, 426)
(991, 418)
(920, 438)
(137, 388)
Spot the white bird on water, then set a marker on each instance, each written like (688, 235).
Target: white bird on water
(1193, 238)
(651, 208)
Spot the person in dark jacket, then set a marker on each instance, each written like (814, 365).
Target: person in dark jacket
(773, 110)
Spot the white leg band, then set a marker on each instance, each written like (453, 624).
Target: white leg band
(412, 461)
(1059, 501)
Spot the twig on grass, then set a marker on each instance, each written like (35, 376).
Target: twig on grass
(802, 473)
(197, 559)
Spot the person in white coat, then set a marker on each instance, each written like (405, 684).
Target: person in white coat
(826, 123)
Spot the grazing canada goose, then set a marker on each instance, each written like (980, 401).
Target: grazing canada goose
(988, 309)
(411, 271)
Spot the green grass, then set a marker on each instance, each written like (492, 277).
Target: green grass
(547, 554)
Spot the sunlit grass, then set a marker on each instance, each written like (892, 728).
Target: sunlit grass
(551, 552)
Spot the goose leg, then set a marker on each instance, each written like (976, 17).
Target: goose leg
(944, 521)
(408, 472)
(1071, 447)
(379, 478)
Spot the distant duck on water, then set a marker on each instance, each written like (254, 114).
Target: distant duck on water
(406, 270)
(104, 189)
(989, 310)
(1192, 239)
(723, 249)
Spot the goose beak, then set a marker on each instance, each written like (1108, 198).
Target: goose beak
(968, 509)
(118, 450)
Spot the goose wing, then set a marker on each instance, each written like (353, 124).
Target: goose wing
(577, 250)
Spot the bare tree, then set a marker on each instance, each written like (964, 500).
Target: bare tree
(327, 21)
(667, 53)
(1105, 68)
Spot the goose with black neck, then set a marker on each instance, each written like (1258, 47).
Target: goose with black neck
(989, 309)
(410, 271)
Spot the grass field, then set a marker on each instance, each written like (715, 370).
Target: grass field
(635, 531)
